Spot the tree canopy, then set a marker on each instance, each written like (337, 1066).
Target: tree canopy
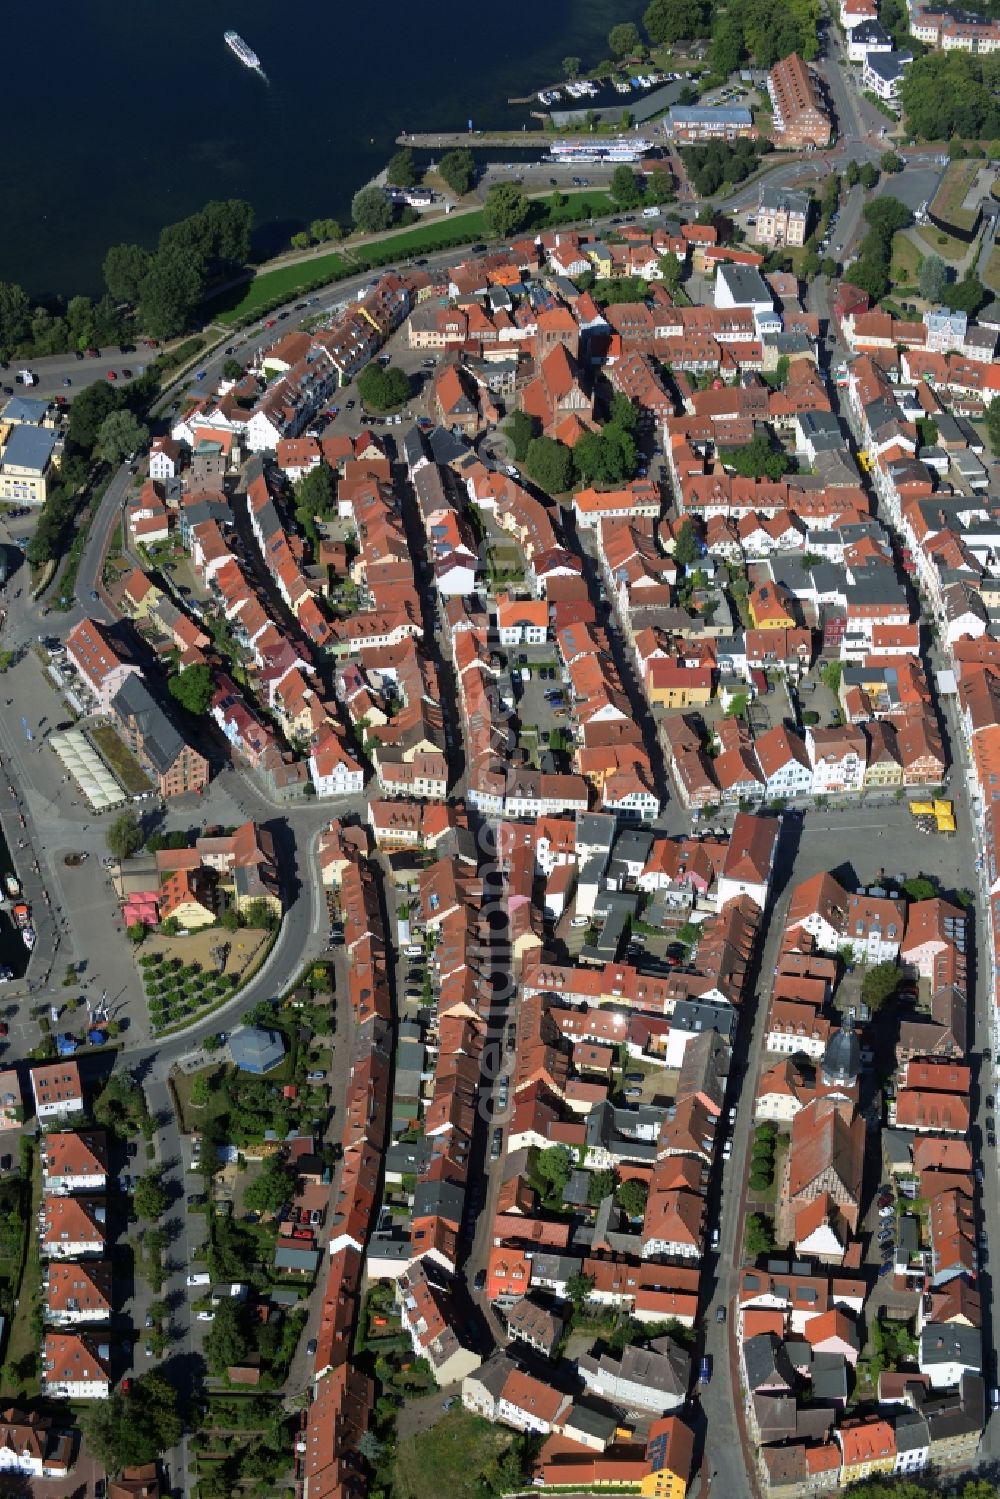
(121, 434)
(458, 169)
(506, 210)
(315, 491)
(632, 1196)
(550, 464)
(624, 39)
(125, 269)
(124, 836)
(129, 1430)
(149, 1197)
(932, 278)
(949, 94)
(686, 550)
(402, 169)
(719, 162)
(668, 21)
(381, 388)
(879, 984)
(371, 210)
(193, 688)
(624, 188)
(274, 1186)
(520, 428)
(757, 459)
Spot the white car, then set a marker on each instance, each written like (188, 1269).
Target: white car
(887, 1212)
(579, 921)
(206, 1316)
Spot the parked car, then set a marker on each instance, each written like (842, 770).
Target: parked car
(316, 1077)
(311, 1347)
(720, 1315)
(479, 1283)
(496, 1144)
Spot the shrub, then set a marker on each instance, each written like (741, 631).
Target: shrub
(759, 1183)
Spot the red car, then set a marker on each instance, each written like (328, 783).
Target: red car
(112, 375)
(151, 343)
(93, 353)
(272, 322)
(125, 1386)
(4, 1028)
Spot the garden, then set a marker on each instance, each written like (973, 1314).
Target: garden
(176, 991)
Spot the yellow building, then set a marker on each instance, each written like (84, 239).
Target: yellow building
(26, 462)
(600, 258)
(769, 609)
(184, 897)
(670, 685)
(669, 1451)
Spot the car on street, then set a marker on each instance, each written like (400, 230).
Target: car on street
(131, 1148)
(991, 1141)
(149, 1322)
(67, 380)
(206, 1316)
(111, 375)
(887, 1212)
(705, 1369)
(720, 1315)
(317, 1077)
(633, 1092)
(990, 1102)
(579, 921)
(311, 1347)
(479, 1283)
(496, 1144)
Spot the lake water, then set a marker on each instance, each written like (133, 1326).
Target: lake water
(124, 115)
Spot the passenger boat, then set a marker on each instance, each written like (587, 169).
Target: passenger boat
(28, 937)
(22, 914)
(12, 885)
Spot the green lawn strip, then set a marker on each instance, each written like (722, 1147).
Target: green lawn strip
(450, 1457)
(271, 288)
(122, 762)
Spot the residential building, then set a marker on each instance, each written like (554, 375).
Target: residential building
(57, 1089)
(800, 117)
(75, 1367)
(782, 217)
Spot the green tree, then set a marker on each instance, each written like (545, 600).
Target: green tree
(274, 1186)
(782, 368)
(758, 1236)
(402, 169)
(121, 435)
(149, 1197)
(868, 176)
(552, 1168)
(458, 169)
(137, 933)
(15, 316)
(918, 887)
(88, 411)
(967, 295)
(228, 1340)
(756, 459)
(600, 1184)
(170, 291)
(668, 21)
(932, 279)
(624, 188)
(520, 428)
(632, 1197)
(686, 549)
(381, 389)
(671, 271)
(129, 1430)
(125, 269)
(887, 216)
(890, 163)
(993, 425)
(851, 173)
(571, 68)
(624, 39)
(505, 211)
(300, 240)
(660, 189)
(193, 688)
(550, 464)
(232, 369)
(371, 210)
(323, 230)
(315, 491)
(828, 267)
(124, 836)
(879, 984)
(578, 1289)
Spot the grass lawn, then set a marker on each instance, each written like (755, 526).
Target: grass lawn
(906, 258)
(192, 1118)
(449, 1458)
(947, 205)
(992, 274)
(270, 288)
(119, 758)
(939, 243)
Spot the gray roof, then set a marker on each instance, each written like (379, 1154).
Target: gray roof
(767, 1363)
(951, 1342)
(256, 1050)
(829, 1377)
(869, 31)
(711, 114)
(746, 285)
(842, 1057)
(162, 743)
(888, 65)
(783, 200)
(696, 1015)
(494, 1373)
(296, 1259)
(596, 1423)
(29, 447)
(25, 409)
(439, 1199)
(911, 1431)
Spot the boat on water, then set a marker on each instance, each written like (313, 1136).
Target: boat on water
(241, 49)
(12, 885)
(28, 937)
(22, 914)
(6, 974)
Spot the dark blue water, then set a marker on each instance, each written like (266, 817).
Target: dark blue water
(123, 115)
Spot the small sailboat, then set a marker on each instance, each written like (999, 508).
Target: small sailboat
(28, 937)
